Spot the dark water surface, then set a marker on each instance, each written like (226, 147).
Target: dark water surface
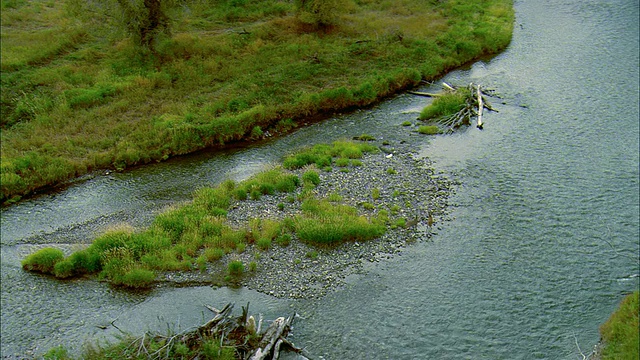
(542, 245)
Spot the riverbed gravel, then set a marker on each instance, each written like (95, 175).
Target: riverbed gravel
(406, 186)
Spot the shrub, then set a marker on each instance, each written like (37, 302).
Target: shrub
(235, 268)
(319, 13)
(263, 243)
(311, 177)
(368, 206)
(283, 240)
(375, 194)
(43, 260)
(342, 162)
(213, 254)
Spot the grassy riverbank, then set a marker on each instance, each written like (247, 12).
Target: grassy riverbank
(620, 334)
(79, 96)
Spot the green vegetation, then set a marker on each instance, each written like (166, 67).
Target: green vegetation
(235, 268)
(188, 237)
(180, 239)
(43, 260)
(620, 332)
(447, 104)
(406, 123)
(82, 92)
(325, 223)
(429, 130)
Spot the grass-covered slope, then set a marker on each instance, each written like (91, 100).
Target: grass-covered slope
(77, 95)
(620, 333)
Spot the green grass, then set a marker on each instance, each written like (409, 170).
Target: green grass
(429, 130)
(447, 104)
(189, 236)
(43, 260)
(78, 95)
(620, 332)
(326, 223)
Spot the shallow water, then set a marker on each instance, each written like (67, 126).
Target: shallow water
(541, 247)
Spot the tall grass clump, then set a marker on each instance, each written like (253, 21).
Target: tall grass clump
(322, 155)
(620, 332)
(43, 260)
(326, 223)
(447, 104)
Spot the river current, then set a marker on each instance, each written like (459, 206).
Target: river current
(542, 243)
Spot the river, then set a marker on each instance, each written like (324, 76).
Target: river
(542, 244)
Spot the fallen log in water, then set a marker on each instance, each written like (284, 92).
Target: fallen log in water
(236, 335)
(472, 104)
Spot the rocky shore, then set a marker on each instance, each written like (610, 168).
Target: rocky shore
(406, 187)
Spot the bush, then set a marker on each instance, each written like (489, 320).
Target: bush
(263, 243)
(213, 254)
(319, 13)
(311, 177)
(43, 260)
(235, 268)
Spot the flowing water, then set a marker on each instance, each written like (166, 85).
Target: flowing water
(542, 245)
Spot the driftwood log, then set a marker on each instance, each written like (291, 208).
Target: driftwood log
(474, 104)
(238, 332)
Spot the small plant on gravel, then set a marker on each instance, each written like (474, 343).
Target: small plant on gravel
(368, 206)
(375, 194)
(311, 177)
(235, 268)
(342, 162)
(201, 261)
(253, 266)
(401, 222)
(213, 254)
(263, 243)
(406, 123)
(391, 171)
(394, 209)
(281, 206)
(312, 254)
(283, 240)
(334, 197)
(323, 222)
(356, 162)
